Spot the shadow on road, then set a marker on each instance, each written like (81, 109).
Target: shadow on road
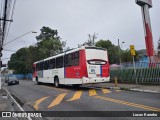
(67, 87)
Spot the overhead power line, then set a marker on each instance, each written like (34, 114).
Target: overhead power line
(11, 19)
(6, 17)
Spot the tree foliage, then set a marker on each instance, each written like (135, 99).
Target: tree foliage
(113, 51)
(48, 44)
(18, 61)
(116, 54)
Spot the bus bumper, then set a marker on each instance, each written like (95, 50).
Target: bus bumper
(86, 80)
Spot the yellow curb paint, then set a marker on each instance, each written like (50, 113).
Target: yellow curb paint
(128, 103)
(57, 100)
(92, 92)
(37, 102)
(76, 96)
(106, 91)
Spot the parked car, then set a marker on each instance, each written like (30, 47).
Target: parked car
(13, 80)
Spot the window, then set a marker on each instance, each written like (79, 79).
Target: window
(65, 60)
(41, 66)
(52, 63)
(69, 60)
(59, 62)
(46, 65)
(97, 62)
(76, 59)
(37, 66)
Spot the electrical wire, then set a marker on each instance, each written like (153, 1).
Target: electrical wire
(10, 19)
(7, 16)
(8, 12)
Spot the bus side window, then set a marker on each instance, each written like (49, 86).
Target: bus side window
(41, 65)
(70, 59)
(76, 58)
(37, 66)
(33, 69)
(65, 60)
(52, 64)
(59, 62)
(46, 65)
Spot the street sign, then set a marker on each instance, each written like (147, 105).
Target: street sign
(132, 50)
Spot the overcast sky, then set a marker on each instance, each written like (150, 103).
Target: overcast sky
(75, 19)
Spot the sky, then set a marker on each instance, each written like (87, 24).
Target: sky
(75, 19)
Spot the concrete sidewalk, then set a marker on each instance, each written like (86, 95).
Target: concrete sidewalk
(133, 87)
(5, 102)
(5, 105)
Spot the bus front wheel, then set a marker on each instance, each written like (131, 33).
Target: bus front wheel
(56, 82)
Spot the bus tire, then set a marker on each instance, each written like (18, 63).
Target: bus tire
(38, 83)
(56, 82)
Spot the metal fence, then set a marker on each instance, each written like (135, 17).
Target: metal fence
(143, 73)
(20, 76)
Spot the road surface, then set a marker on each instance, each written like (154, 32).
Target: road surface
(46, 97)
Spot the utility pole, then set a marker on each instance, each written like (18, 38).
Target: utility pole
(0, 54)
(2, 34)
(119, 52)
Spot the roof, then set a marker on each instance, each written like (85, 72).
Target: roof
(70, 51)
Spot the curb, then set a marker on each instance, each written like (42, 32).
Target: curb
(116, 88)
(127, 89)
(21, 109)
(147, 91)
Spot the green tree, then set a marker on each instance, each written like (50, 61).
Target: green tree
(48, 44)
(18, 61)
(113, 51)
(127, 57)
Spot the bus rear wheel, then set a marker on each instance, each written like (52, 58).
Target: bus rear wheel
(56, 82)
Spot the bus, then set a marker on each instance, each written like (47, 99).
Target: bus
(83, 65)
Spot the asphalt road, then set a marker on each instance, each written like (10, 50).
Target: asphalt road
(46, 97)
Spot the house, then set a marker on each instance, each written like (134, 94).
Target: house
(6, 71)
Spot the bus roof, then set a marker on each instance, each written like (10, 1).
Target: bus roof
(70, 51)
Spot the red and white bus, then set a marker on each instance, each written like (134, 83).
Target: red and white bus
(78, 66)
